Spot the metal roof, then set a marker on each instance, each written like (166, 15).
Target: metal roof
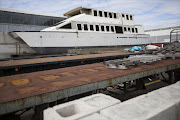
(164, 28)
(27, 12)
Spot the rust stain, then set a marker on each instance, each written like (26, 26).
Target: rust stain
(49, 77)
(1, 84)
(100, 68)
(27, 90)
(19, 82)
(88, 70)
(67, 74)
(84, 79)
(136, 68)
(60, 83)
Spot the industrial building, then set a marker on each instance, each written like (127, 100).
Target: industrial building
(15, 20)
(163, 34)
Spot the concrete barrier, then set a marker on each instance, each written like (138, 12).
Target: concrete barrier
(161, 104)
(80, 108)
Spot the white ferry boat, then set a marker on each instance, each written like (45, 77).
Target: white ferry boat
(83, 28)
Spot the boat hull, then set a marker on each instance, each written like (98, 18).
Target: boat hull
(60, 42)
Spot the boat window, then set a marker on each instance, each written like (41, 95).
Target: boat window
(91, 27)
(107, 28)
(112, 29)
(97, 27)
(125, 29)
(95, 13)
(133, 30)
(85, 27)
(115, 15)
(59, 22)
(102, 28)
(130, 17)
(100, 13)
(67, 26)
(79, 26)
(123, 15)
(110, 15)
(129, 30)
(127, 17)
(136, 30)
(105, 14)
(118, 29)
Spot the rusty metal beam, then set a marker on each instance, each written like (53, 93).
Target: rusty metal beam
(71, 85)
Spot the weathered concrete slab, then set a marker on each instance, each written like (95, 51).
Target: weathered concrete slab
(95, 116)
(80, 108)
(161, 104)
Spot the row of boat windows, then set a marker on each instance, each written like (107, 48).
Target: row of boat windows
(132, 30)
(118, 29)
(91, 28)
(111, 15)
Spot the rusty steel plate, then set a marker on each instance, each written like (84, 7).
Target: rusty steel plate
(54, 59)
(32, 84)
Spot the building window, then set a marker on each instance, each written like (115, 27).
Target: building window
(136, 30)
(100, 13)
(105, 14)
(102, 28)
(91, 27)
(97, 27)
(110, 15)
(133, 30)
(107, 28)
(115, 15)
(95, 13)
(125, 29)
(112, 29)
(127, 17)
(79, 27)
(85, 27)
(131, 17)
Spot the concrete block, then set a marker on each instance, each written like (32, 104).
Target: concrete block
(95, 116)
(161, 104)
(79, 108)
(169, 93)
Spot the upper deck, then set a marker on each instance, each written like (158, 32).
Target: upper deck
(82, 19)
(98, 13)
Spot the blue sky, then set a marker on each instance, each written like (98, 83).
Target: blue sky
(150, 13)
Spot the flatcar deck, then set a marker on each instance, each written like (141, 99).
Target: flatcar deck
(13, 67)
(53, 59)
(27, 90)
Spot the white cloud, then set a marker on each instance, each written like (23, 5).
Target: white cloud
(146, 12)
(170, 7)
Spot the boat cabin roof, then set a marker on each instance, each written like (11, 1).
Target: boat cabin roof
(86, 10)
(77, 11)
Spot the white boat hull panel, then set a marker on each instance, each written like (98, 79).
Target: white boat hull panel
(61, 41)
